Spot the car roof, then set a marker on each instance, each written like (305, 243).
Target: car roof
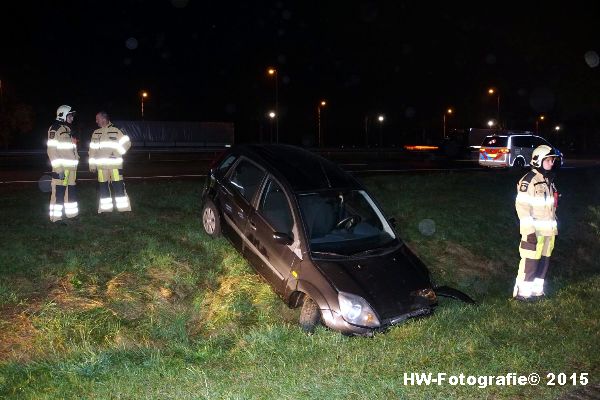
(512, 134)
(300, 168)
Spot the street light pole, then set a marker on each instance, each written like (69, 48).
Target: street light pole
(449, 112)
(274, 72)
(537, 123)
(491, 91)
(498, 115)
(273, 116)
(380, 118)
(366, 131)
(144, 95)
(323, 103)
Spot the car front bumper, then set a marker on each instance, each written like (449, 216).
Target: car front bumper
(335, 321)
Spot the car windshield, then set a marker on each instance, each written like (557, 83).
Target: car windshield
(344, 222)
(495, 141)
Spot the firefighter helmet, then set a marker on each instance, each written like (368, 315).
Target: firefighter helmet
(63, 111)
(540, 153)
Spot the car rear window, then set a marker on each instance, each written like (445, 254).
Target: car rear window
(495, 141)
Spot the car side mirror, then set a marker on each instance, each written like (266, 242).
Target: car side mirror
(392, 222)
(283, 238)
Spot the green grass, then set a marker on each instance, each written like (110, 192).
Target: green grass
(147, 306)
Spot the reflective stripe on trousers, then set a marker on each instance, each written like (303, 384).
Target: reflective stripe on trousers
(64, 196)
(110, 181)
(535, 260)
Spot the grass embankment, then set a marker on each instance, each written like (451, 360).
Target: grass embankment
(146, 306)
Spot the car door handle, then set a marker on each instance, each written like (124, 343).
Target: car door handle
(252, 225)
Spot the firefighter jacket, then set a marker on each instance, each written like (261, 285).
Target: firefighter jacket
(62, 150)
(536, 204)
(107, 147)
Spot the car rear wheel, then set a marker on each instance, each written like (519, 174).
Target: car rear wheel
(210, 219)
(310, 315)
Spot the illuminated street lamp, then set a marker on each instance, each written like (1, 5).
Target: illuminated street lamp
(380, 118)
(273, 72)
(491, 92)
(321, 104)
(449, 111)
(490, 123)
(537, 123)
(272, 115)
(557, 128)
(144, 94)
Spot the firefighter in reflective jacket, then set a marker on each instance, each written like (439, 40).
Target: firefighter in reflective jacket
(107, 147)
(536, 204)
(62, 152)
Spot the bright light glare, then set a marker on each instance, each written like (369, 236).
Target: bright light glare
(272, 114)
(490, 123)
(380, 118)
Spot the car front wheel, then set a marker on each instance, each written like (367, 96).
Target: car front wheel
(310, 315)
(210, 219)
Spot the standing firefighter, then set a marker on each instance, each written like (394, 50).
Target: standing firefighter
(536, 204)
(107, 147)
(62, 152)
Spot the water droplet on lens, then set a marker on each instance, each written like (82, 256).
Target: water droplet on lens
(427, 227)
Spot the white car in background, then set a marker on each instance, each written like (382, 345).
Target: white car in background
(504, 151)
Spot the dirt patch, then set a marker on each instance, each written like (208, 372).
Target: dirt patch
(467, 263)
(118, 288)
(17, 335)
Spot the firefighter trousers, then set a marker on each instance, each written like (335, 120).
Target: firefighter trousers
(535, 260)
(110, 181)
(63, 200)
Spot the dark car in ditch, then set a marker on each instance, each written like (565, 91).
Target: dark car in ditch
(318, 238)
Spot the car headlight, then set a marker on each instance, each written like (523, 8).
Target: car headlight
(357, 311)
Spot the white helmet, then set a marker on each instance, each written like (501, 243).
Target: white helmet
(63, 111)
(540, 153)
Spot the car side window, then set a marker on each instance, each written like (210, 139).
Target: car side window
(522, 141)
(246, 179)
(224, 166)
(274, 208)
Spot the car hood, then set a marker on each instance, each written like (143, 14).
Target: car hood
(386, 281)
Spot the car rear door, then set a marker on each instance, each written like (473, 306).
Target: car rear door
(273, 259)
(527, 150)
(238, 192)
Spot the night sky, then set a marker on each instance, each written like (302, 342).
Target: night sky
(207, 61)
